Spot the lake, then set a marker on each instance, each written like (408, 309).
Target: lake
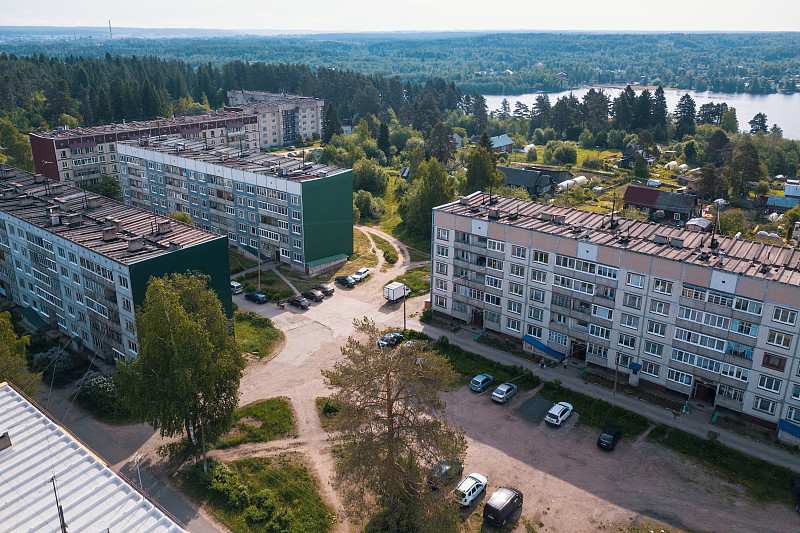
(781, 109)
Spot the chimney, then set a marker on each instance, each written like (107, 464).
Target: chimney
(164, 226)
(38, 178)
(73, 220)
(174, 246)
(94, 202)
(52, 212)
(109, 233)
(588, 231)
(25, 200)
(135, 244)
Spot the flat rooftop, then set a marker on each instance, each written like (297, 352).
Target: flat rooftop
(139, 125)
(757, 259)
(93, 497)
(270, 164)
(83, 218)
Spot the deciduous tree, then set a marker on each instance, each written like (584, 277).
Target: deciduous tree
(432, 187)
(13, 366)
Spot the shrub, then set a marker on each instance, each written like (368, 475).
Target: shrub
(390, 256)
(329, 408)
(60, 366)
(97, 392)
(427, 315)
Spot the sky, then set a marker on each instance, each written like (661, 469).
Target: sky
(291, 16)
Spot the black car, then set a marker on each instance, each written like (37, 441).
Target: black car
(298, 301)
(501, 506)
(445, 473)
(796, 494)
(390, 339)
(256, 297)
(346, 281)
(313, 295)
(609, 438)
(326, 289)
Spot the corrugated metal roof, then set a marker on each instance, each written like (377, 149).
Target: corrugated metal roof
(93, 497)
(500, 141)
(782, 202)
(641, 196)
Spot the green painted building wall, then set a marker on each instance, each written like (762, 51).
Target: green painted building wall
(210, 258)
(328, 216)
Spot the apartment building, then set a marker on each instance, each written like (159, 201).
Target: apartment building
(80, 262)
(295, 212)
(711, 318)
(282, 118)
(75, 155)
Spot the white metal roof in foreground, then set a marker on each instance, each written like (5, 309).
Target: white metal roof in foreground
(93, 497)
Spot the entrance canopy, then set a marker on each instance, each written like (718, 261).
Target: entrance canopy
(543, 347)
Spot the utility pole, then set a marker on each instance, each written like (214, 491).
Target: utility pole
(616, 371)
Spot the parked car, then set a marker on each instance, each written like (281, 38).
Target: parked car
(445, 473)
(313, 295)
(609, 438)
(504, 392)
(256, 297)
(236, 287)
(346, 281)
(481, 382)
(326, 289)
(469, 489)
(361, 274)
(796, 494)
(501, 506)
(558, 413)
(298, 301)
(390, 339)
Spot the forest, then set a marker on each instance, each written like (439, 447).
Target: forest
(495, 63)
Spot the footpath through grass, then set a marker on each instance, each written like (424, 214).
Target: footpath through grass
(261, 495)
(255, 334)
(417, 279)
(261, 421)
(764, 481)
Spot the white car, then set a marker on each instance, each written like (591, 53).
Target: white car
(470, 488)
(558, 413)
(361, 274)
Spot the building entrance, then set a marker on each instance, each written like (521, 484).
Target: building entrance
(704, 391)
(477, 318)
(577, 350)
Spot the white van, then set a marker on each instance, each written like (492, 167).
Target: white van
(236, 288)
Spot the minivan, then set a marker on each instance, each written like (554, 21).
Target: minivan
(501, 506)
(236, 288)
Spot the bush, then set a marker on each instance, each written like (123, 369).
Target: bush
(390, 256)
(427, 315)
(60, 366)
(97, 392)
(469, 364)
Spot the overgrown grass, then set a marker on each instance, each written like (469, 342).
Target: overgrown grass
(237, 262)
(276, 422)
(255, 334)
(764, 481)
(328, 410)
(261, 495)
(417, 279)
(596, 413)
(389, 253)
(272, 286)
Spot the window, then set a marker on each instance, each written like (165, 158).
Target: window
(441, 268)
(764, 405)
(602, 312)
(629, 321)
(537, 295)
(796, 392)
(538, 276)
(784, 316)
(518, 252)
(731, 393)
(735, 372)
(285, 253)
(441, 284)
(459, 307)
(635, 280)
(694, 293)
(558, 338)
(540, 257)
(599, 331)
(632, 300)
(662, 286)
(769, 383)
(439, 301)
(624, 360)
(123, 282)
(497, 283)
(296, 228)
(607, 272)
(778, 338)
(658, 307)
(747, 306)
(560, 319)
(516, 289)
(535, 313)
(494, 264)
(679, 377)
(535, 331)
(653, 348)
(698, 339)
(597, 351)
(627, 341)
(442, 234)
(517, 270)
(609, 293)
(492, 299)
(709, 319)
(775, 362)
(513, 324)
(442, 251)
(496, 246)
(656, 328)
(514, 307)
(743, 328)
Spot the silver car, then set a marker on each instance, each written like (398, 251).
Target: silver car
(504, 392)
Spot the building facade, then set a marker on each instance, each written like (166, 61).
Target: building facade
(84, 154)
(282, 118)
(80, 262)
(712, 318)
(294, 212)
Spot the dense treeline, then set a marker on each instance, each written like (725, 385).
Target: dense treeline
(726, 62)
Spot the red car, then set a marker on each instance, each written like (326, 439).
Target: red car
(313, 295)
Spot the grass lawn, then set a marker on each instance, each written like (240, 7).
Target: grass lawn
(261, 421)
(261, 495)
(256, 334)
(271, 284)
(362, 257)
(417, 279)
(237, 262)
